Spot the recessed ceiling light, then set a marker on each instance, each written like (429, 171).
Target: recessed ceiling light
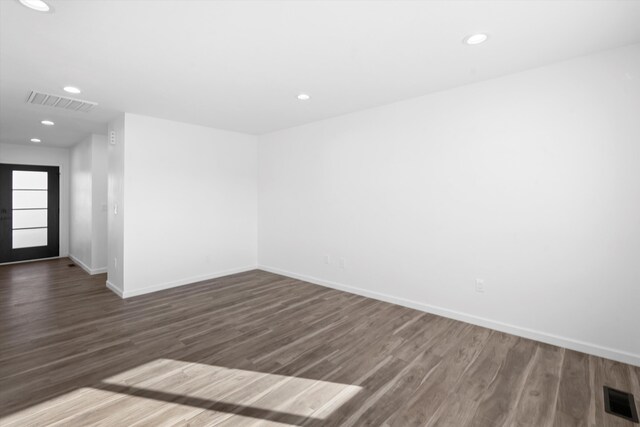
(47, 123)
(476, 39)
(37, 5)
(72, 89)
(304, 97)
(35, 140)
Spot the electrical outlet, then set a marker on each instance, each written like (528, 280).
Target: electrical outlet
(342, 263)
(480, 285)
(327, 259)
(115, 263)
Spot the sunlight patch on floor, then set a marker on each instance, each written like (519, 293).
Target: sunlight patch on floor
(166, 390)
(57, 409)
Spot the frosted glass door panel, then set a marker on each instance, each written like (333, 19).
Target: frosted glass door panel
(31, 218)
(27, 180)
(29, 199)
(29, 238)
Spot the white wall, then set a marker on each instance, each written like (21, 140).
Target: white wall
(81, 203)
(115, 207)
(45, 156)
(99, 173)
(88, 201)
(190, 194)
(530, 182)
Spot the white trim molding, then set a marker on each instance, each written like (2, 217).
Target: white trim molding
(176, 283)
(116, 290)
(86, 268)
(581, 346)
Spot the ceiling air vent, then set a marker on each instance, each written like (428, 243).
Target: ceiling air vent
(48, 100)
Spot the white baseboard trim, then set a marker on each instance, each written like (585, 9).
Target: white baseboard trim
(116, 290)
(86, 268)
(581, 346)
(182, 282)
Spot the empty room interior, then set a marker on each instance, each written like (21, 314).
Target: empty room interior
(320, 213)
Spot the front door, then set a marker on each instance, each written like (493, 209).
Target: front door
(29, 212)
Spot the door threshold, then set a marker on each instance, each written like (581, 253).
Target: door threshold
(33, 260)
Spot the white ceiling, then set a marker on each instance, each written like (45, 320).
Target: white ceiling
(238, 65)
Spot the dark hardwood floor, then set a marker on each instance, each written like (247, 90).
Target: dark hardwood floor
(261, 349)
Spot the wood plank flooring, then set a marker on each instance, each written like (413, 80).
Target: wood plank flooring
(261, 349)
